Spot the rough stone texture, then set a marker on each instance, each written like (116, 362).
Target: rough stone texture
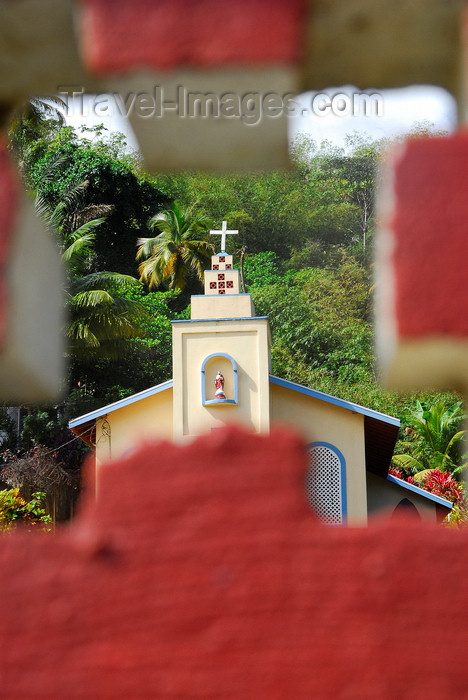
(429, 225)
(200, 573)
(38, 49)
(8, 203)
(246, 139)
(421, 280)
(211, 47)
(132, 34)
(31, 357)
(378, 44)
(418, 41)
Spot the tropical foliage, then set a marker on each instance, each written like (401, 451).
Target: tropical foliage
(35, 120)
(62, 158)
(180, 247)
(433, 441)
(431, 455)
(101, 319)
(15, 510)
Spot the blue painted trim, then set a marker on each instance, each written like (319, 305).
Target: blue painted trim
(206, 402)
(216, 320)
(335, 401)
(421, 492)
(339, 454)
(120, 404)
(220, 354)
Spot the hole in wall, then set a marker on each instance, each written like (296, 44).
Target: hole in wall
(335, 113)
(90, 110)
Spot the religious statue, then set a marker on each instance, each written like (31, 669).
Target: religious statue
(219, 384)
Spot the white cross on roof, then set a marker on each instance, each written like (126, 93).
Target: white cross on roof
(223, 233)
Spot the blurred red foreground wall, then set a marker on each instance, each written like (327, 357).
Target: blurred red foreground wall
(200, 573)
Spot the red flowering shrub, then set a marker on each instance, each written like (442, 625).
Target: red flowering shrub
(437, 482)
(443, 484)
(400, 475)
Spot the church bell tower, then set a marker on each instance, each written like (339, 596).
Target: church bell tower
(221, 356)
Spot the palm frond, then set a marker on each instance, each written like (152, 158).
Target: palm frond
(84, 230)
(91, 212)
(151, 247)
(407, 462)
(79, 249)
(161, 222)
(91, 299)
(79, 331)
(104, 280)
(51, 216)
(458, 436)
(180, 247)
(81, 242)
(152, 271)
(52, 106)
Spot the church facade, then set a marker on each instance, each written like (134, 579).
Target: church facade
(222, 375)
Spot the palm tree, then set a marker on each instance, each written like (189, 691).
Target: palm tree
(435, 434)
(102, 319)
(38, 118)
(180, 247)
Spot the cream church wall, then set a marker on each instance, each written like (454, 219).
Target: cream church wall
(129, 426)
(319, 421)
(383, 498)
(221, 306)
(247, 342)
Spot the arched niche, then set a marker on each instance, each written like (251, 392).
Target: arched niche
(225, 364)
(406, 509)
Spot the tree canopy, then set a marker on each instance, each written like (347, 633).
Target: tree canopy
(60, 160)
(180, 247)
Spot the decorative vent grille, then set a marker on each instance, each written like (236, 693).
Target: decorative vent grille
(323, 484)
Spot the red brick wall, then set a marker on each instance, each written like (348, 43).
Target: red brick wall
(171, 33)
(431, 243)
(201, 574)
